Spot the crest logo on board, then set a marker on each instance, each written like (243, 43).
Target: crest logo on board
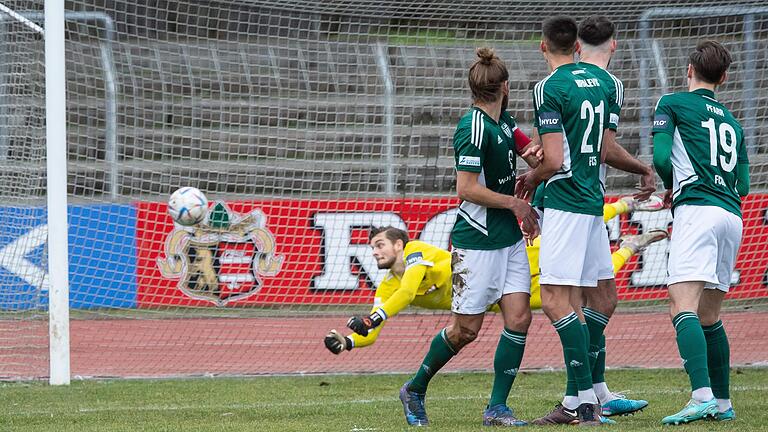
(224, 258)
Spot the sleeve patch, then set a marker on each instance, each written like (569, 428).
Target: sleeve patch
(660, 121)
(471, 161)
(413, 258)
(549, 119)
(614, 118)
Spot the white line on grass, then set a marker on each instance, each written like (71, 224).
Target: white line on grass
(309, 404)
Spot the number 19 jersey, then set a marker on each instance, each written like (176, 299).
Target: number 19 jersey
(707, 144)
(571, 101)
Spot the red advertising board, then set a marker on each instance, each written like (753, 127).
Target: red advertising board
(271, 252)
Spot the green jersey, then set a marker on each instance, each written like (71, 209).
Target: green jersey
(571, 101)
(486, 147)
(707, 144)
(614, 92)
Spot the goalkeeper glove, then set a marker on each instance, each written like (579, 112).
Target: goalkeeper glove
(336, 343)
(362, 325)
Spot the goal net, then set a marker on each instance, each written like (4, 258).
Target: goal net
(305, 123)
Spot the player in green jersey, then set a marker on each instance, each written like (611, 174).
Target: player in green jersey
(596, 47)
(489, 260)
(700, 155)
(570, 109)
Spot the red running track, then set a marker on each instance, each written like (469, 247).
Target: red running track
(245, 346)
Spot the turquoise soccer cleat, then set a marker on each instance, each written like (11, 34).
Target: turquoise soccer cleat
(622, 406)
(693, 411)
(727, 415)
(606, 421)
(501, 415)
(413, 406)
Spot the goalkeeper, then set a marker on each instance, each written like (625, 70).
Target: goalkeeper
(420, 274)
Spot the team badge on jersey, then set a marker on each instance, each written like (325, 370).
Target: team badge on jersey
(506, 129)
(224, 258)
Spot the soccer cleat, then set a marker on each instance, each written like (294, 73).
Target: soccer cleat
(589, 414)
(413, 406)
(652, 204)
(637, 243)
(559, 415)
(622, 406)
(501, 415)
(727, 415)
(693, 411)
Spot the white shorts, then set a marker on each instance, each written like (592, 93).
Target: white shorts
(481, 277)
(575, 250)
(703, 247)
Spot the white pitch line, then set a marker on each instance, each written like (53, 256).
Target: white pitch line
(308, 404)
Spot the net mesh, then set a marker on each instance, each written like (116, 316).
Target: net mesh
(305, 123)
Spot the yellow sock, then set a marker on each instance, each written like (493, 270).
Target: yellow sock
(620, 257)
(612, 210)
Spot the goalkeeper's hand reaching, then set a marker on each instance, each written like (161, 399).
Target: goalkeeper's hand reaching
(362, 325)
(336, 343)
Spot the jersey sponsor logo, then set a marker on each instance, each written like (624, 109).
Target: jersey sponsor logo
(473, 161)
(660, 121)
(500, 141)
(549, 119)
(589, 82)
(224, 258)
(579, 72)
(715, 110)
(506, 129)
(413, 258)
(614, 118)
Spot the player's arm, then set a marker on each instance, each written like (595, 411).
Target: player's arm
(548, 124)
(397, 301)
(619, 158)
(529, 148)
(663, 131)
(742, 171)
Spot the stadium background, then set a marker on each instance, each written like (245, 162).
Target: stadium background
(322, 119)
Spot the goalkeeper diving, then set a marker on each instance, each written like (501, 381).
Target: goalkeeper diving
(420, 274)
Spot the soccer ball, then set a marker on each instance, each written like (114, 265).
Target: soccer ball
(187, 206)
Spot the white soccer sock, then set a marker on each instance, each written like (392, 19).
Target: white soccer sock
(724, 404)
(703, 394)
(587, 396)
(571, 402)
(603, 394)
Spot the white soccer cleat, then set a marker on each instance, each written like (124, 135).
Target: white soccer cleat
(652, 204)
(637, 243)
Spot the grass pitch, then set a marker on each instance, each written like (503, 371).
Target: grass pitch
(341, 403)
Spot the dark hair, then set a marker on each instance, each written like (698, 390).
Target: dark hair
(560, 34)
(710, 60)
(596, 30)
(486, 76)
(391, 233)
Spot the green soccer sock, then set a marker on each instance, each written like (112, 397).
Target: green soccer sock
(596, 323)
(506, 363)
(598, 371)
(572, 337)
(440, 352)
(692, 347)
(718, 359)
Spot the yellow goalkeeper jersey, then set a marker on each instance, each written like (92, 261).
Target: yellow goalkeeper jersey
(426, 281)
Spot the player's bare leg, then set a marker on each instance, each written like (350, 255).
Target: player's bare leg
(718, 351)
(556, 304)
(685, 299)
(516, 312)
(462, 330)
